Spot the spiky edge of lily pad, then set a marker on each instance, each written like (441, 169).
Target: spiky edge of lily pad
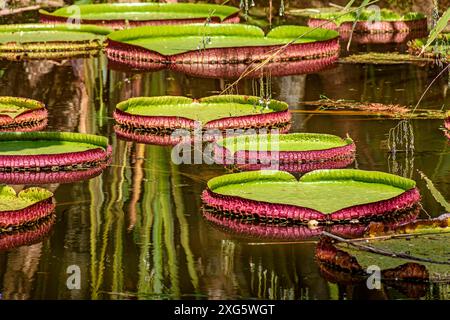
(118, 50)
(370, 211)
(42, 207)
(98, 155)
(280, 114)
(58, 16)
(33, 119)
(279, 230)
(27, 235)
(224, 155)
(52, 49)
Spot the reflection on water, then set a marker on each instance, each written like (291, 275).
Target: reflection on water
(137, 230)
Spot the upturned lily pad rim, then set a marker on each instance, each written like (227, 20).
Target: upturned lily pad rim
(96, 141)
(33, 194)
(211, 10)
(314, 176)
(386, 15)
(286, 34)
(294, 138)
(164, 101)
(25, 103)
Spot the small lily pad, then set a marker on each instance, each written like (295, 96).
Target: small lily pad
(20, 114)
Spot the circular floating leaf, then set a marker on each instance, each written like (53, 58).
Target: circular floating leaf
(46, 41)
(122, 15)
(294, 152)
(189, 48)
(25, 207)
(45, 157)
(149, 119)
(321, 195)
(20, 114)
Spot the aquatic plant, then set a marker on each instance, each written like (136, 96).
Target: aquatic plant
(154, 119)
(47, 157)
(46, 41)
(20, 114)
(223, 50)
(124, 15)
(25, 207)
(323, 195)
(438, 51)
(295, 152)
(447, 125)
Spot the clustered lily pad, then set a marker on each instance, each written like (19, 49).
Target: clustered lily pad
(323, 196)
(48, 41)
(155, 119)
(48, 157)
(124, 15)
(21, 114)
(294, 152)
(223, 50)
(25, 207)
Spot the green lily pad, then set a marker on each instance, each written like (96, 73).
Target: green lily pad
(48, 143)
(326, 191)
(203, 110)
(284, 142)
(176, 39)
(12, 201)
(14, 107)
(143, 11)
(365, 15)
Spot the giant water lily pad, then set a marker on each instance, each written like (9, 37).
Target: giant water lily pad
(46, 41)
(188, 48)
(25, 207)
(322, 195)
(294, 152)
(161, 116)
(20, 114)
(122, 15)
(44, 157)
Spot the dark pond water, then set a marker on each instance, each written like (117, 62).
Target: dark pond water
(137, 230)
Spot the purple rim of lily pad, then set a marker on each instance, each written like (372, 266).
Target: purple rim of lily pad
(161, 123)
(297, 161)
(371, 26)
(144, 59)
(234, 71)
(273, 231)
(31, 120)
(283, 211)
(27, 235)
(123, 23)
(27, 215)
